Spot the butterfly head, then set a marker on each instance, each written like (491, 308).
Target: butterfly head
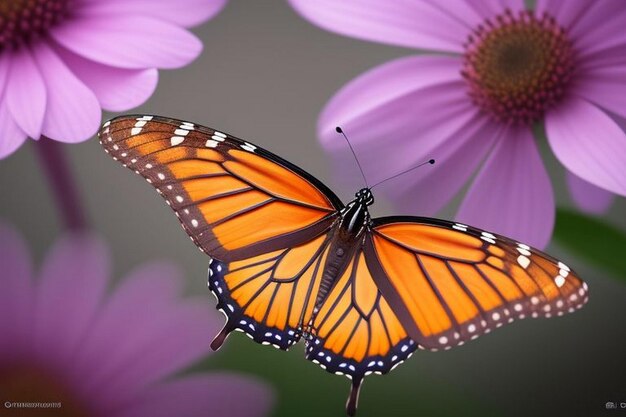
(364, 196)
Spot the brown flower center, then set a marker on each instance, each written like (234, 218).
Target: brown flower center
(24, 20)
(518, 66)
(26, 391)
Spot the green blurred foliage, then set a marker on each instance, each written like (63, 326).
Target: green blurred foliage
(593, 240)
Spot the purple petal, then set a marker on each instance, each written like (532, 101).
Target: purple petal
(605, 86)
(12, 136)
(512, 194)
(72, 284)
(611, 57)
(383, 84)
(26, 93)
(129, 41)
(117, 89)
(489, 9)
(566, 13)
(589, 143)
(592, 25)
(144, 291)
(221, 394)
(600, 29)
(411, 24)
(383, 109)
(16, 293)
(392, 139)
(180, 340)
(588, 197)
(427, 190)
(73, 113)
(185, 13)
(145, 332)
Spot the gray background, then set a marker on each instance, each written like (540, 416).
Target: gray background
(264, 76)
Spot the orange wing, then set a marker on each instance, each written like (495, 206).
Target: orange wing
(270, 296)
(355, 332)
(449, 283)
(222, 188)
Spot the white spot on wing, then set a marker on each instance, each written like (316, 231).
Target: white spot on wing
(559, 281)
(248, 147)
(523, 261)
(488, 239)
(459, 226)
(177, 140)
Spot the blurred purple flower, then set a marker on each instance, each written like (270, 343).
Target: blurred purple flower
(506, 68)
(62, 60)
(64, 340)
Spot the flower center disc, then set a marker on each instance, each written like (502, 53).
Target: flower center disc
(518, 66)
(23, 20)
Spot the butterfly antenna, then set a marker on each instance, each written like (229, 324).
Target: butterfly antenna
(430, 161)
(340, 130)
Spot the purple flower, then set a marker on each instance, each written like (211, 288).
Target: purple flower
(61, 61)
(472, 109)
(65, 340)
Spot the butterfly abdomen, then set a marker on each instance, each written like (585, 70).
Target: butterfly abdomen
(341, 252)
(353, 220)
(335, 265)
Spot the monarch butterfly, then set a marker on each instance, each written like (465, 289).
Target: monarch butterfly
(289, 260)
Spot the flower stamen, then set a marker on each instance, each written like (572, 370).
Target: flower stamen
(24, 20)
(518, 66)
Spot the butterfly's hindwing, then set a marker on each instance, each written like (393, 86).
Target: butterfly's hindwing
(355, 332)
(270, 296)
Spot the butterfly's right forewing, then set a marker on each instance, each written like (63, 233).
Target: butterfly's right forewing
(450, 283)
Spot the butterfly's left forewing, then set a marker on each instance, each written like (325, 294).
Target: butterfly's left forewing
(449, 283)
(234, 199)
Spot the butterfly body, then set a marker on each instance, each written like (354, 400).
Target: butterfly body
(290, 261)
(353, 222)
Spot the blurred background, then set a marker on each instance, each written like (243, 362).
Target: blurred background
(264, 75)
